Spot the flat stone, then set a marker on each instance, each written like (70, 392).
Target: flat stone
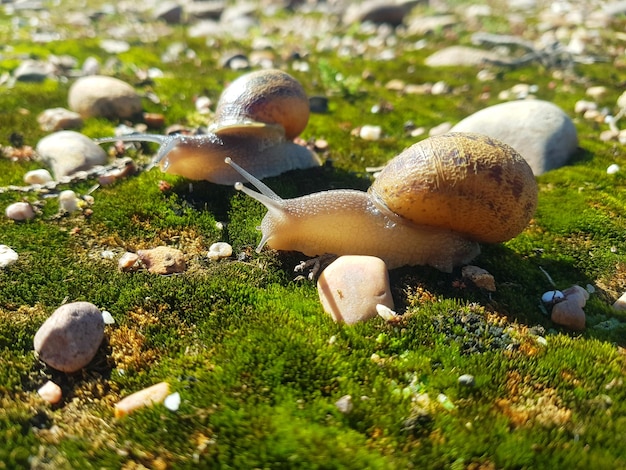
(69, 339)
(460, 55)
(56, 119)
(102, 96)
(67, 152)
(539, 130)
(351, 287)
(163, 260)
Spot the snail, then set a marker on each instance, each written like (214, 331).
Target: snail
(256, 119)
(431, 205)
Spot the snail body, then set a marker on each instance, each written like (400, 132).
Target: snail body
(256, 119)
(431, 205)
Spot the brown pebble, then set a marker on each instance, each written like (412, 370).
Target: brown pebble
(163, 260)
(569, 314)
(351, 287)
(146, 397)
(479, 277)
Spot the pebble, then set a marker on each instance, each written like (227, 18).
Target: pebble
(107, 318)
(102, 96)
(68, 201)
(69, 339)
(67, 152)
(423, 25)
(351, 287)
(552, 296)
(577, 295)
(40, 176)
(8, 256)
(344, 404)
(219, 250)
(440, 129)
(596, 92)
(172, 401)
(582, 106)
(163, 260)
(369, 132)
(128, 261)
(50, 392)
(20, 211)
(479, 277)
(148, 396)
(539, 130)
(620, 304)
(569, 314)
(466, 380)
(32, 71)
(612, 169)
(56, 119)
(377, 12)
(453, 56)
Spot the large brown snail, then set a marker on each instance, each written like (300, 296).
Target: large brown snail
(256, 119)
(431, 205)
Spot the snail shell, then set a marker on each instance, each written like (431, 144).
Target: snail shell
(268, 96)
(466, 182)
(257, 117)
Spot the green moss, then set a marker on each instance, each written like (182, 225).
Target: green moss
(258, 364)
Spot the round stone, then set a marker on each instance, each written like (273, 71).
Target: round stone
(102, 96)
(67, 152)
(351, 287)
(69, 339)
(539, 130)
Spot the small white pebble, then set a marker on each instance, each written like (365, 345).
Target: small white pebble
(369, 132)
(583, 106)
(107, 254)
(172, 401)
(20, 211)
(203, 104)
(385, 312)
(68, 201)
(440, 88)
(219, 250)
(344, 404)
(50, 392)
(40, 176)
(612, 169)
(8, 256)
(551, 296)
(219, 225)
(332, 339)
(107, 317)
(542, 341)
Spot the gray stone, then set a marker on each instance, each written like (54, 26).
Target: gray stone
(67, 152)
(539, 130)
(102, 96)
(56, 119)
(32, 71)
(69, 339)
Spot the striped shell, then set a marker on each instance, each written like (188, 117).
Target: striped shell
(469, 183)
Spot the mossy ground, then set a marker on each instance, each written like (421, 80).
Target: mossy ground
(258, 364)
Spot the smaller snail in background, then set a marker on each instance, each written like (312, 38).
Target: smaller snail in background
(256, 119)
(431, 205)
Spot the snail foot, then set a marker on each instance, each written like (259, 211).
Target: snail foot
(314, 266)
